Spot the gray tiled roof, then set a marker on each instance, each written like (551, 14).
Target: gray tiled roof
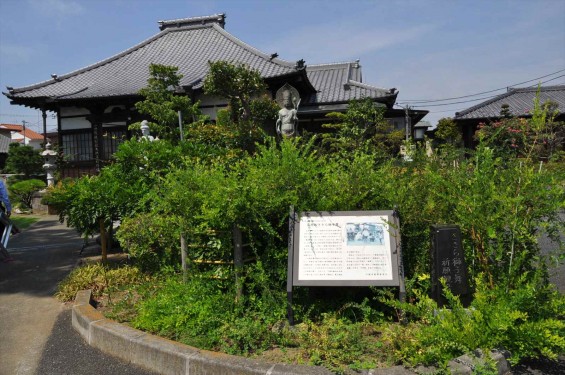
(187, 47)
(520, 102)
(189, 44)
(4, 144)
(341, 82)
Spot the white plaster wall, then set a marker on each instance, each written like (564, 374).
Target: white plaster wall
(75, 123)
(36, 144)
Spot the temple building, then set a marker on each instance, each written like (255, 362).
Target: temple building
(95, 104)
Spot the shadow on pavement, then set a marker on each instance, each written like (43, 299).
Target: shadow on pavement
(43, 255)
(67, 353)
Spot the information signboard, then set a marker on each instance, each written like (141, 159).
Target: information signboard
(345, 248)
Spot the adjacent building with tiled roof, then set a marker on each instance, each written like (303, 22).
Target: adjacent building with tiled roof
(519, 102)
(4, 148)
(21, 134)
(99, 99)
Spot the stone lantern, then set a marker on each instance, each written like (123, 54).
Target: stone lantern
(50, 163)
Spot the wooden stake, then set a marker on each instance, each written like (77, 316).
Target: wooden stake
(103, 240)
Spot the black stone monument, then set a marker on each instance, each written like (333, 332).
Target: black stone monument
(448, 262)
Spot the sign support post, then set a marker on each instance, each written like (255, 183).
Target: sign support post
(291, 222)
(344, 248)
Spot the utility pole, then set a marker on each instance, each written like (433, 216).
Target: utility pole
(180, 126)
(24, 132)
(408, 124)
(44, 115)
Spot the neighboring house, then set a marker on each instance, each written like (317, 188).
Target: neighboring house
(24, 136)
(4, 148)
(520, 103)
(95, 104)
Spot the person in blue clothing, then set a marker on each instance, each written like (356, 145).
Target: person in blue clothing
(6, 210)
(5, 200)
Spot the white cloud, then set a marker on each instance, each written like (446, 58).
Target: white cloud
(14, 54)
(57, 8)
(318, 43)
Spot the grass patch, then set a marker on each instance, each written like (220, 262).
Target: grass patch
(102, 279)
(349, 339)
(24, 222)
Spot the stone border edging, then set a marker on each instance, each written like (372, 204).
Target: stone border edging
(172, 358)
(165, 356)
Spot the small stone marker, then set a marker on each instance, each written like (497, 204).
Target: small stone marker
(448, 261)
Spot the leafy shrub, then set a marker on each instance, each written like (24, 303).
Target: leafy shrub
(247, 334)
(150, 240)
(25, 160)
(191, 313)
(496, 319)
(23, 191)
(97, 277)
(336, 343)
(162, 189)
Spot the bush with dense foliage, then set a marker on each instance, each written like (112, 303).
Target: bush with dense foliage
(23, 191)
(161, 190)
(24, 160)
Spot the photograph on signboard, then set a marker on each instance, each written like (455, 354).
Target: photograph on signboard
(351, 248)
(364, 233)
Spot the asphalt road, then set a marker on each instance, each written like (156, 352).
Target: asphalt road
(36, 336)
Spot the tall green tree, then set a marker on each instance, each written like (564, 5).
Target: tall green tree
(240, 126)
(239, 84)
(25, 160)
(448, 132)
(362, 128)
(164, 98)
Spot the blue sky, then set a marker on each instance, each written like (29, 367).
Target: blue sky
(428, 50)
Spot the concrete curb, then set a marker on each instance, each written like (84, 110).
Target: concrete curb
(164, 356)
(172, 358)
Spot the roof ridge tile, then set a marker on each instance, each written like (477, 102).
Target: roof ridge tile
(335, 65)
(366, 86)
(219, 18)
(253, 49)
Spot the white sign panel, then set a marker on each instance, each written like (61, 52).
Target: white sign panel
(347, 248)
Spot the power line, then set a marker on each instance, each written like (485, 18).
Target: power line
(549, 80)
(484, 92)
(452, 103)
(447, 110)
(482, 98)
